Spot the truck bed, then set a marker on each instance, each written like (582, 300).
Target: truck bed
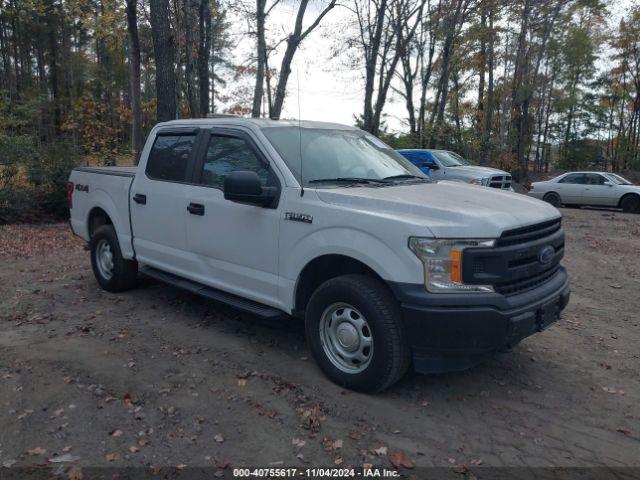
(118, 171)
(105, 189)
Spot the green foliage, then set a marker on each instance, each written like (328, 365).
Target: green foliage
(581, 154)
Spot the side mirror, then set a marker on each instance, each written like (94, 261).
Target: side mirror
(609, 184)
(431, 165)
(244, 187)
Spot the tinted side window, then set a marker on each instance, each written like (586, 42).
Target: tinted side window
(169, 157)
(594, 179)
(573, 178)
(227, 154)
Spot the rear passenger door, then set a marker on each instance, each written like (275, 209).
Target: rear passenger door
(234, 246)
(158, 201)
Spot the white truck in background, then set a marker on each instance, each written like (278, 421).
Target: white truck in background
(327, 223)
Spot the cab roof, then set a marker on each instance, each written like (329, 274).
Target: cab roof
(258, 122)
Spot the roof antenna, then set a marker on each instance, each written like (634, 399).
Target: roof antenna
(300, 134)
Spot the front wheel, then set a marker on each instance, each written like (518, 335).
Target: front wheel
(630, 204)
(356, 335)
(113, 272)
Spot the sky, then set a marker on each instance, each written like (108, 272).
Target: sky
(329, 88)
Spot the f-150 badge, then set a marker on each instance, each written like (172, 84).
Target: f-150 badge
(298, 217)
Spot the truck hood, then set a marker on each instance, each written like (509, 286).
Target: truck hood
(446, 209)
(473, 171)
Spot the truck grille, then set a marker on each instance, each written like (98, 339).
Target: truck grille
(513, 266)
(530, 233)
(500, 181)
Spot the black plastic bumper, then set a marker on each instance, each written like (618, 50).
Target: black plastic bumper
(452, 332)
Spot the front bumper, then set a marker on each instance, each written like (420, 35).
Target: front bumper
(451, 332)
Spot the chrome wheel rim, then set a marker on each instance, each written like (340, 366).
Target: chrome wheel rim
(346, 338)
(104, 259)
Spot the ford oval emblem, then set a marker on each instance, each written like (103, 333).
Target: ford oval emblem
(546, 254)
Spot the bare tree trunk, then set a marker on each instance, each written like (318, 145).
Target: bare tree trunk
(54, 78)
(371, 61)
(187, 9)
(134, 73)
(480, 106)
(258, 91)
(204, 55)
(443, 86)
(488, 117)
(293, 42)
(164, 51)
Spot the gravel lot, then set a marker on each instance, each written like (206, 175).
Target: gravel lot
(156, 377)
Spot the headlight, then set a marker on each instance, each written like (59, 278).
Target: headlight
(479, 181)
(442, 261)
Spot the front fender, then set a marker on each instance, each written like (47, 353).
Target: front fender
(388, 262)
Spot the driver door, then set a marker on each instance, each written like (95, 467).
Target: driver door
(599, 190)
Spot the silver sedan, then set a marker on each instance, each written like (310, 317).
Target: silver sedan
(589, 188)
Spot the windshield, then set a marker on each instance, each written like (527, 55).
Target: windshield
(335, 156)
(617, 179)
(450, 159)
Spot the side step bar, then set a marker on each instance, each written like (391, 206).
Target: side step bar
(240, 303)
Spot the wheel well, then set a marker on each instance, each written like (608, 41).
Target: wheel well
(97, 218)
(321, 269)
(627, 195)
(550, 193)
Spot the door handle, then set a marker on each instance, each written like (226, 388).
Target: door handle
(196, 209)
(140, 198)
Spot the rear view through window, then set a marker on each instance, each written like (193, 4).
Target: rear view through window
(169, 157)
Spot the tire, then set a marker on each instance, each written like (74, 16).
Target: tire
(353, 298)
(124, 273)
(553, 199)
(630, 203)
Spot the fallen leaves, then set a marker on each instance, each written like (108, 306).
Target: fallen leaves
(28, 241)
(75, 473)
(112, 457)
(116, 433)
(614, 390)
(311, 418)
(298, 442)
(399, 459)
(218, 438)
(36, 451)
(380, 451)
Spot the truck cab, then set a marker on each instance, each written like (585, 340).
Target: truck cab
(324, 222)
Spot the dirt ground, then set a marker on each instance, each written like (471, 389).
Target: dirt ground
(156, 377)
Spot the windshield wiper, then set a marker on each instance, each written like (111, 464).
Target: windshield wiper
(403, 176)
(346, 179)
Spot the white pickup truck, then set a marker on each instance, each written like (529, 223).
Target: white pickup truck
(327, 223)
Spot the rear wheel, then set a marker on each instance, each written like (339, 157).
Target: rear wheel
(356, 335)
(553, 199)
(113, 272)
(630, 203)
